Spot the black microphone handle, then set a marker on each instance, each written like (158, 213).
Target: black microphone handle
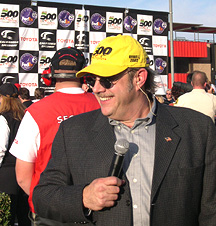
(116, 165)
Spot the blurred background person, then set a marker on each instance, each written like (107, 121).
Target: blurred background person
(24, 96)
(168, 99)
(160, 98)
(39, 94)
(198, 99)
(176, 91)
(11, 113)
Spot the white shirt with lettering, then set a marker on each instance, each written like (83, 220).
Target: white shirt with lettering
(30, 142)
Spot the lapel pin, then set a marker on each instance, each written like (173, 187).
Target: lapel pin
(168, 139)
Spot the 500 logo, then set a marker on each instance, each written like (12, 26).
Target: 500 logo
(9, 13)
(48, 16)
(114, 20)
(45, 60)
(145, 23)
(103, 51)
(8, 59)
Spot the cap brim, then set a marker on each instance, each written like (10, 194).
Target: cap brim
(102, 70)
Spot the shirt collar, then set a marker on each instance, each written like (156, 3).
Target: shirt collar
(198, 90)
(149, 119)
(71, 90)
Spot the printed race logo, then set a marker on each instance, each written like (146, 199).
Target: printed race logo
(82, 22)
(28, 16)
(129, 23)
(145, 23)
(7, 34)
(9, 38)
(114, 21)
(47, 36)
(65, 18)
(146, 43)
(160, 65)
(7, 78)
(101, 53)
(159, 26)
(9, 15)
(9, 61)
(47, 18)
(44, 62)
(84, 18)
(97, 21)
(27, 61)
(5, 59)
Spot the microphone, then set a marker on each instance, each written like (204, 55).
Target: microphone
(121, 147)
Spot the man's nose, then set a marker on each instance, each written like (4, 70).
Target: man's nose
(97, 88)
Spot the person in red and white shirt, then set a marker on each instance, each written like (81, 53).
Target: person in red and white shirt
(32, 145)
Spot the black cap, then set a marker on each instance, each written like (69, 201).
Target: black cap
(9, 90)
(70, 53)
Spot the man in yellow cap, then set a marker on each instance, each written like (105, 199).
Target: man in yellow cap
(168, 175)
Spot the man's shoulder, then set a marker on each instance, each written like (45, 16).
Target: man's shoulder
(185, 95)
(183, 114)
(89, 116)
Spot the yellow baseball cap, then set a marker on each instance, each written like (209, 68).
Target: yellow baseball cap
(115, 54)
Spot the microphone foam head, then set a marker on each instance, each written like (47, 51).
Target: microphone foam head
(121, 146)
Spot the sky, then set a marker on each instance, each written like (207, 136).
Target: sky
(184, 11)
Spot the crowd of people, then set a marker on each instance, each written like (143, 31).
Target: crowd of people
(58, 150)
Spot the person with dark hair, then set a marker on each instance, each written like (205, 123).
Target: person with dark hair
(189, 78)
(39, 94)
(42, 119)
(166, 179)
(11, 114)
(24, 96)
(176, 91)
(198, 99)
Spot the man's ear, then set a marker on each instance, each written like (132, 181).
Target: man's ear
(141, 77)
(205, 84)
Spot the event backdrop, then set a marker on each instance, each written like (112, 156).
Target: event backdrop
(31, 32)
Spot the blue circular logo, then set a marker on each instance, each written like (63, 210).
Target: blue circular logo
(27, 61)
(129, 23)
(160, 65)
(159, 26)
(28, 16)
(97, 21)
(65, 18)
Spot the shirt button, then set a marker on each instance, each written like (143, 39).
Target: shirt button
(135, 206)
(146, 127)
(134, 180)
(119, 127)
(132, 131)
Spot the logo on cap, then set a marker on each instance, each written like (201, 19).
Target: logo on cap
(102, 51)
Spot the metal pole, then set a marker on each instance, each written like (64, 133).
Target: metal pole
(171, 41)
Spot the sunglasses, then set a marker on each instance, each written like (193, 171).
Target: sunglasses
(107, 83)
